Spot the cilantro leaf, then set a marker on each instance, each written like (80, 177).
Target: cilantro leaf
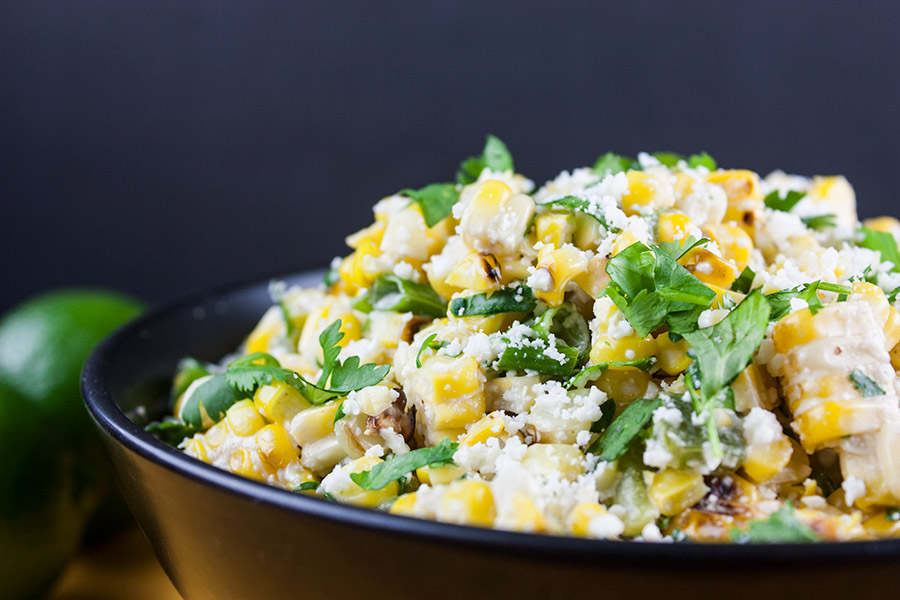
(593, 372)
(677, 249)
(607, 413)
(389, 292)
(436, 201)
(339, 413)
(307, 486)
(519, 298)
(611, 163)
(669, 159)
(776, 201)
(615, 441)
(781, 527)
(576, 204)
(702, 160)
(808, 292)
(170, 432)
(215, 395)
(329, 340)
(430, 343)
(397, 466)
(350, 375)
(535, 358)
(865, 384)
(881, 242)
(496, 157)
(744, 281)
(819, 222)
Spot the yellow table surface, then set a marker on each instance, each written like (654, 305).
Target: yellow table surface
(122, 567)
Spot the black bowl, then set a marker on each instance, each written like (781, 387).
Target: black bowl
(220, 536)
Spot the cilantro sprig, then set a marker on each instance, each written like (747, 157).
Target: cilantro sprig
(808, 292)
(519, 298)
(781, 527)
(652, 289)
(435, 200)
(392, 293)
(397, 466)
(496, 157)
(617, 438)
(783, 202)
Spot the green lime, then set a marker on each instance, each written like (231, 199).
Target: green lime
(43, 345)
(42, 508)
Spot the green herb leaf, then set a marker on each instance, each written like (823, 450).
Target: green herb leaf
(809, 292)
(781, 527)
(744, 281)
(611, 163)
(535, 358)
(215, 395)
(397, 466)
(331, 277)
(350, 375)
(607, 413)
(496, 157)
(593, 372)
(435, 200)
(189, 371)
(702, 160)
(519, 298)
(389, 292)
(884, 243)
(307, 486)
(329, 339)
(567, 325)
(677, 249)
(430, 343)
(785, 203)
(576, 204)
(892, 514)
(819, 222)
(865, 384)
(338, 414)
(255, 358)
(170, 432)
(615, 441)
(669, 159)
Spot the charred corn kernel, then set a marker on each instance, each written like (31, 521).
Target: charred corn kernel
(554, 228)
(623, 385)
(550, 459)
(674, 491)
(274, 447)
(623, 240)
(243, 419)
(468, 502)
(763, 461)
(313, 424)
(671, 356)
(346, 490)
(563, 264)
(709, 268)
(523, 515)
(479, 272)
(745, 197)
(436, 475)
(241, 463)
(675, 227)
(491, 426)
(646, 193)
(754, 387)
(883, 224)
(404, 505)
(279, 402)
(495, 219)
(594, 278)
(587, 512)
(734, 243)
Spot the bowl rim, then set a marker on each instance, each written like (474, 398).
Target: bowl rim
(116, 424)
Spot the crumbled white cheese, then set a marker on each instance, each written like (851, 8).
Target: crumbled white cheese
(854, 488)
(540, 280)
(761, 427)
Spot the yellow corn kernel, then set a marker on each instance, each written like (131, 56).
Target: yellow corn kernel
(485, 323)
(243, 419)
(216, 435)
(479, 272)
(524, 515)
(671, 356)
(745, 197)
(834, 194)
(892, 329)
(373, 233)
(754, 387)
(274, 447)
(674, 227)
(492, 425)
(313, 424)
(490, 196)
(241, 463)
(734, 243)
(623, 385)
(279, 402)
(881, 527)
(196, 448)
(832, 420)
(270, 325)
(404, 505)
(623, 240)
(458, 391)
(674, 491)
(895, 357)
(646, 192)
(709, 268)
(582, 515)
(468, 502)
(629, 347)
(763, 461)
(554, 228)
(352, 493)
(562, 264)
(594, 278)
(433, 475)
(549, 459)
(721, 293)
(796, 329)
(883, 224)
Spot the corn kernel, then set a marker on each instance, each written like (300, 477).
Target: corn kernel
(313, 424)
(352, 493)
(763, 461)
(629, 347)
(243, 418)
(549, 459)
(582, 515)
(241, 463)
(554, 229)
(436, 475)
(594, 278)
(623, 385)
(404, 505)
(754, 387)
(671, 356)
(523, 516)
(274, 447)
(709, 268)
(734, 243)
(674, 227)
(279, 402)
(563, 264)
(491, 426)
(883, 224)
(468, 502)
(479, 272)
(646, 192)
(745, 197)
(675, 491)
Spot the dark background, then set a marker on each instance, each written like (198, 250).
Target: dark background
(161, 147)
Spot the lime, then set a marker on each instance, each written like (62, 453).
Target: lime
(42, 507)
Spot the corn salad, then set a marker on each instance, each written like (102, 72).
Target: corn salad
(655, 349)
